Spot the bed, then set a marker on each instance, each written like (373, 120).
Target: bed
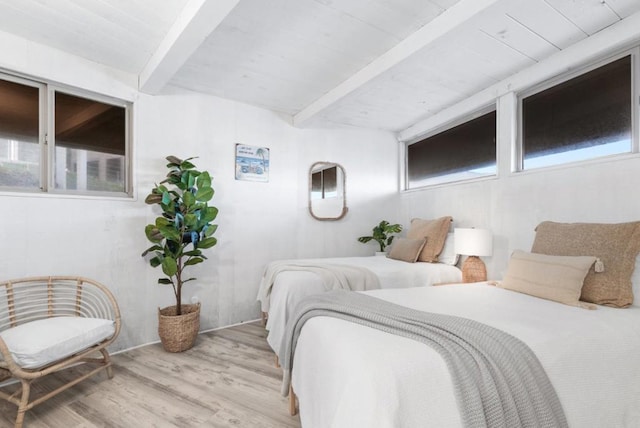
(381, 380)
(345, 374)
(426, 256)
(292, 286)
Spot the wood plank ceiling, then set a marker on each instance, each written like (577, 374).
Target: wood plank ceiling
(382, 64)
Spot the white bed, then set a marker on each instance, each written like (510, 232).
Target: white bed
(291, 286)
(348, 375)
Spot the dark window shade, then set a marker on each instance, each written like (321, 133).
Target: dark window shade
(468, 146)
(89, 125)
(19, 135)
(589, 110)
(329, 180)
(316, 182)
(19, 112)
(324, 182)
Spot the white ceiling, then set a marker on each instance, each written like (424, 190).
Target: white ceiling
(373, 63)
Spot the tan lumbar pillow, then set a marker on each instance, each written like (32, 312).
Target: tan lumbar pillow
(557, 278)
(406, 249)
(434, 231)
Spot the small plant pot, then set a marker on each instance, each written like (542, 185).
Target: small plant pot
(178, 332)
(381, 253)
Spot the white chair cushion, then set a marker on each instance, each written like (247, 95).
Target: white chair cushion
(42, 342)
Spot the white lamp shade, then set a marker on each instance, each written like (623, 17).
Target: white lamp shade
(473, 242)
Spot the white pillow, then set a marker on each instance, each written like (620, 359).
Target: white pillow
(448, 255)
(635, 282)
(39, 343)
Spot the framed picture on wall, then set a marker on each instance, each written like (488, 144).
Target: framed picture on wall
(252, 163)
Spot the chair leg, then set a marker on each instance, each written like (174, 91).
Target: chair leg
(292, 402)
(24, 402)
(107, 361)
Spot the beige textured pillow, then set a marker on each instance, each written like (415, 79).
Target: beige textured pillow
(434, 231)
(406, 249)
(557, 278)
(617, 245)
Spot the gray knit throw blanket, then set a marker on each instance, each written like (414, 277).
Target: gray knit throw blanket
(497, 379)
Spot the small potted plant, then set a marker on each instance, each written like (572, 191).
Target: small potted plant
(382, 234)
(179, 235)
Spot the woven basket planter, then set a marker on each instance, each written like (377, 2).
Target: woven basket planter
(178, 332)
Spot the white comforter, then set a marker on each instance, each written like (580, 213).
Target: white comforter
(348, 375)
(291, 286)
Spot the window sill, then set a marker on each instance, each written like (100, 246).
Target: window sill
(451, 183)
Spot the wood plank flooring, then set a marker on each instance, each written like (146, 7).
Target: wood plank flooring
(227, 380)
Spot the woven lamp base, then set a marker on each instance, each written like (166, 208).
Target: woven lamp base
(178, 332)
(473, 270)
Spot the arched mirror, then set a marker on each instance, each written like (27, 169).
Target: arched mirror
(327, 191)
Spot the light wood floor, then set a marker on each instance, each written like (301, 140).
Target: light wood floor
(227, 380)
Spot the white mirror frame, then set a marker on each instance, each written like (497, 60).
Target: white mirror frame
(320, 166)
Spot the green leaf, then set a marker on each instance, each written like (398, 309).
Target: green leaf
(155, 262)
(204, 180)
(173, 177)
(161, 222)
(164, 281)
(166, 198)
(207, 242)
(192, 179)
(192, 253)
(210, 230)
(191, 221)
(153, 198)
(188, 199)
(171, 233)
(169, 266)
(153, 248)
(204, 194)
(365, 239)
(193, 261)
(173, 160)
(182, 186)
(153, 233)
(209, 215)
(186, 164)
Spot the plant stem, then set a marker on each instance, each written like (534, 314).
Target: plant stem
(179, 287)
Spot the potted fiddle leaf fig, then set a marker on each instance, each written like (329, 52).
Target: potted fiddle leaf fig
(382, 234)
(179, 235)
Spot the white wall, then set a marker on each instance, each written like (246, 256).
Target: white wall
(258, 222)
(512, 204)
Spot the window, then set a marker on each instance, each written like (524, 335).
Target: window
(463, 152)
(20, 150)
(57, 140)
(586, 117)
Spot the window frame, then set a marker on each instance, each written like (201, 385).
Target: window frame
(445, 126)
(42, 112)
(46, 138)
(634, 52)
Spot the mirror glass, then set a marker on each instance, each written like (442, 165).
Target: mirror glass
(327, 191)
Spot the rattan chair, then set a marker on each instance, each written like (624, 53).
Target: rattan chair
(24, 302)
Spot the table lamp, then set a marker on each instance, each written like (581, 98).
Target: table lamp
(473, 243)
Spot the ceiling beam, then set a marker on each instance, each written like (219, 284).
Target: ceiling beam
(446, 22)
(197, 20)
